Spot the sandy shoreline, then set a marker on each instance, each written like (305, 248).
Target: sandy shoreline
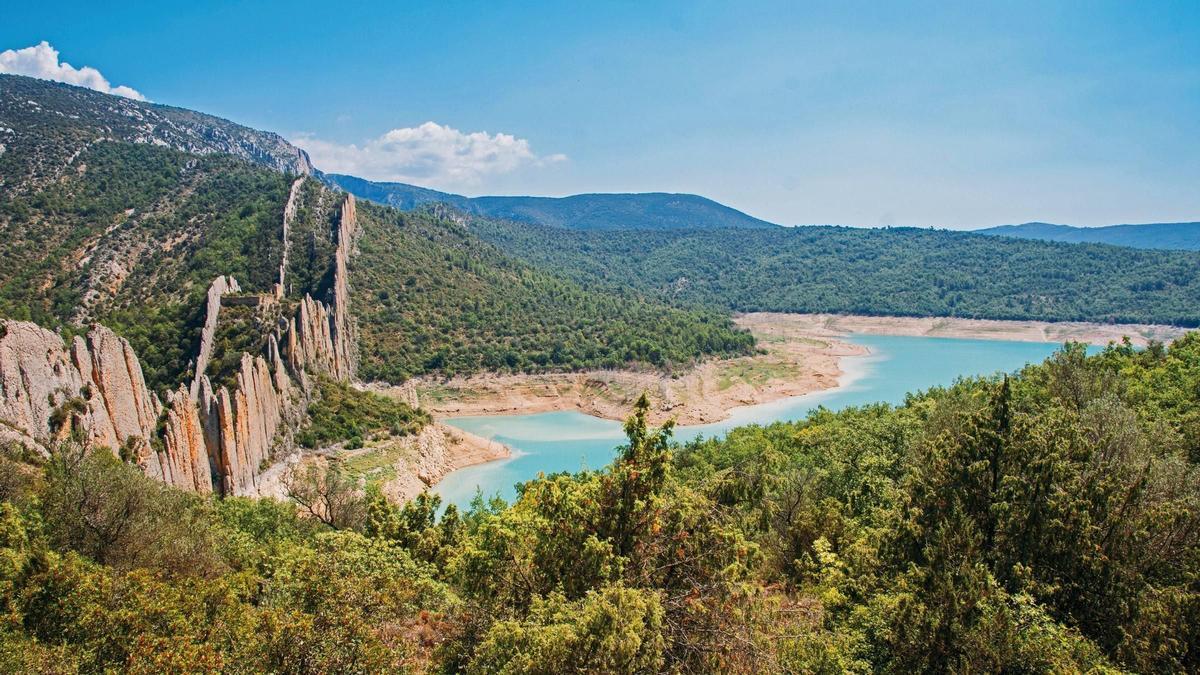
(791, 365)
(803, 355)
(838, 325)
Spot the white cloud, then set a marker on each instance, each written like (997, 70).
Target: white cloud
(430, 155)
(41, 61)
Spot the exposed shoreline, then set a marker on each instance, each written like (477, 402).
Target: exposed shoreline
(402, 467)
(791, 365)
(803, 355)
(841, 325)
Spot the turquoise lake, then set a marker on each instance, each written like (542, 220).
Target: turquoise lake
(570, 441)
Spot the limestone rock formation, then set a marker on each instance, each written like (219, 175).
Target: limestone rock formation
(212, 311)
(342, 330)
(95, 387)
(321, 338)
(240, 427)
(208, 439)
(185, 460)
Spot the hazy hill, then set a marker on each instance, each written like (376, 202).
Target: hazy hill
(643, 211)
(1183, 236)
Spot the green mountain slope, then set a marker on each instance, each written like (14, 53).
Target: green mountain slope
(1182, 236)
(430, 296)
(897, 271)
(133, 241)
(45, 125)
(648, 211)
(114, 227)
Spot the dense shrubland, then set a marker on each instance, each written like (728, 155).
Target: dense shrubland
(341, 412)
(1044, 521)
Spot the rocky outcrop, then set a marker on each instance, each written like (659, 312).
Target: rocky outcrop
(320, 337)
(37, 377)
(203, 439)
(310, 338)
(94, 387)
(342, 329)
(407, 394)
(241, 426)
(212, 311)
(289, 214)
(185, 458)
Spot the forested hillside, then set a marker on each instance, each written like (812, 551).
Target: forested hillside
(129, 233)
(432, 297)
(1042, 522)
(133, 238)
(895, 271)
(1182, 236)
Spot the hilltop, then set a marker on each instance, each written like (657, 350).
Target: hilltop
(638, 211)
(1182, 236)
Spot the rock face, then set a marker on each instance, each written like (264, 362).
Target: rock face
(342, 332)
(320, 337)
(219, 287)
(185, 461)
(289, 214)
(95, 386)
(240, 427)
(208, 439)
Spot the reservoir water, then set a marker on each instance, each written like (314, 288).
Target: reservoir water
(570, 441)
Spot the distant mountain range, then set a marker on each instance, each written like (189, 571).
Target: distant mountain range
(1180, 236)
(623, 211)
(664, 211)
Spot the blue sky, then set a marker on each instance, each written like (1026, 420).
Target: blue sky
(932, 114)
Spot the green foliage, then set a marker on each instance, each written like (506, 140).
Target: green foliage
(431, 298)
(344, 413)
(613, 630)
(1048, 521)
(1029, 523)
(892, 271)
(170, 222)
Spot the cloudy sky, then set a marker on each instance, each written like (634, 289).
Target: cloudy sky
(852, 113)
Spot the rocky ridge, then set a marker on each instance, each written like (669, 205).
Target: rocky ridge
(33, 110)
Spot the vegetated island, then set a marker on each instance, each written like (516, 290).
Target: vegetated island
(801, 354)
